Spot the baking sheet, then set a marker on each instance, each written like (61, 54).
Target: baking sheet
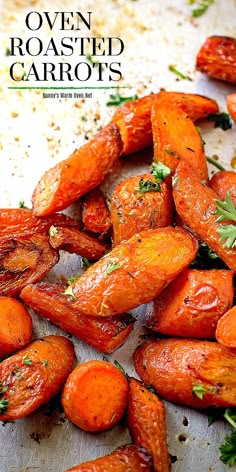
(37, 132)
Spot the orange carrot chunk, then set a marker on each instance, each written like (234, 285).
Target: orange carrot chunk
(75, 241)
(231, 105)
(217, 58)
(15, 327)
(95, 396)
(194, 105)
(224, 182)
(82, 171)
(95, 214)
(226, 329)
(147, 424)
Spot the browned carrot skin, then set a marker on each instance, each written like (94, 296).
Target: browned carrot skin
(15, 222)
(196, 106)
(105, 335)
(195, 203)
(82, 171)
(192, 304)
(147, 424)
(95, 214)
(224, 182)
(15, 327)
(133, 211)
(126, 458)
(231, 105)
(175, 366)
(95, 396)
(134, 272)
(24, 260)
(176, 138)
(226, 329)
(217, 58)
(75, 241)
(35, 374)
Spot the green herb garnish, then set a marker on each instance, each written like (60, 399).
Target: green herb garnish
(7, 52)
(52, 231)
(69, 291)
(3, 390)
(222, 120)
(22, 204)
(86, 262)
(27, 361)
(172, 153)
(226, 211)
(111, 267)
(160, 171)
(204, 5)
(45, 363)
(3, 405)
(228, 449)
(117, 364)
(227, 236)
(214, 163)
(173, 69)
(147, 186)
(199, 391)
(117, 100)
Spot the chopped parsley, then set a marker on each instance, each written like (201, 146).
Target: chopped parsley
(45, 363)
(199, 391)
(172, 153)
(212, 161)
(160, 171)
(22, 204)
(222, 120)
(173, 69)
(86, 263)
(203, 7)
(228, 449)
(111, 267)
(147, 186)
(3, 390)
(91, 60)
(3, 405)
(69, 291)
(52, 231)
(27, 361)
(117, 100)
(226, 211)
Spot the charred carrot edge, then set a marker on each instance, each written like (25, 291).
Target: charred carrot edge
(95, 214)
(189, 372)
(176, 138)
(231, 105)
(80, 172)
(126, 458)
(78, 242)
(95, 396)
(34, 375)
(226, 329)
(147, 424)
(195, 203)
(15, 328)
(217, 58)
(192, 304)
(224, 182)
(49, 301)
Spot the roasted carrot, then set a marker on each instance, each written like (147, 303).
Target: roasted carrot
(24, 260)
(217, 58)
(15, 327)
(104, 334)
(134, 208)
(75, 241)
(95, 214)
(189, 371)
(224, 182)
(147, 424)
(95, 395)
(231, 105)
(196, 205)
(34, 375)
(82, 171)
(226, 329)
(134, 118)
(176, 138)
(128, 458)
(134, 272)
(192, 304)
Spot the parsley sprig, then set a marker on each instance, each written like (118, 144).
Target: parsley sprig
(3, 405)
(111, 267)
(117, 100)
(173, 69)
(228, 447)
(159, 172)
(199, 391)
(221, 120)
(203, 7)
(226, 211)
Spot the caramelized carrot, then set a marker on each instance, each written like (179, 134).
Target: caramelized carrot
(217, 58)
(224, 182)
(188, 371)
(231, 105)
(194, 105)
(133, 211)
(192, 304)
(15, 327)
(34, 375)
(195, 203)
(48, 300)
(128, 458)
(226, 328)
(176, 138)
(95, 396)
(24, 260)
(134, 272)
(75, 241)
(95, 214)
(147, 424)
(82, 171)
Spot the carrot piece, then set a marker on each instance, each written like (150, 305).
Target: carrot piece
(95, 396)
(15, 222)
(231, 105)
(49, 301)
(226, 329)
(176, 138)
(134, 272)
(194, 105)
(224, 182)
(95, 214)
(128, 458)
(15, 328)
(195, 203)
(133, 211)
(182, 369)
(34, 375)
(78, 242)
(24, 260)
(217, 58)
(147, 424)
(192, 304)
(82, 171)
